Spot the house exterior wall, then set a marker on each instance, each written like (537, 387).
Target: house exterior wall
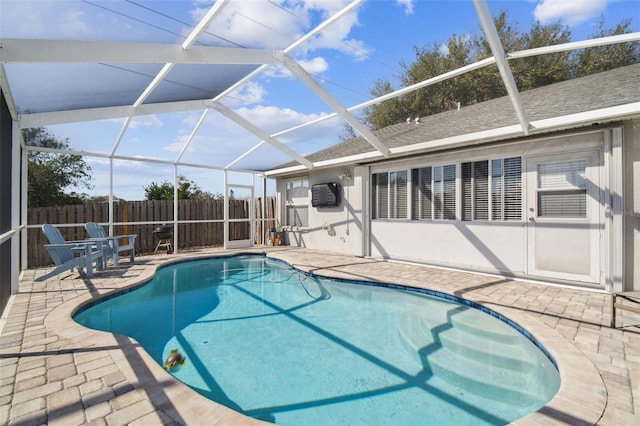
(330, 228)
(504, 247)
(631, 158)
(482, 246)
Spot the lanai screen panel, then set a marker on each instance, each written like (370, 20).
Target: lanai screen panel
(60, 87)
(195, 81)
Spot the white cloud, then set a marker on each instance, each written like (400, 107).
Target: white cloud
(573, 12)
(273, 119)
(316, 65)
(73, 23)
(145, 121)
(250, 24)
(42, 19)
(336, 37)
(249, 93)
(265, 25)
(408, 6)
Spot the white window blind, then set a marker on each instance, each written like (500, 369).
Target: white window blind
(467, 194)
(481, 190)
(492, 186)
(444, 191)
(389, 199)
(562, 189)
(422, 194)
(564, 175)
(381, 195)
(512, 192)
(497, 190)
(398, 196)
(475, 190)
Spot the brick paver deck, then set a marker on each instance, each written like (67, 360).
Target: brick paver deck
(54, 371)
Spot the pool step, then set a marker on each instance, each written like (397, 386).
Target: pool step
(506, 355)
(460, 349)
(489, 382)
(484, 325)
(467, 333)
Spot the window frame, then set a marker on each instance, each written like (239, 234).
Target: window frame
(292, 203)
(468, 195)
(393, 195)
(581, 189)
(501, 195)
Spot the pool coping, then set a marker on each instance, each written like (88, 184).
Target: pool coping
(582, 396)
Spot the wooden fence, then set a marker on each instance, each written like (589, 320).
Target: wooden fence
(158, 212)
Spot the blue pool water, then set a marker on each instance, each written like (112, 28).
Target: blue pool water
(294, 349)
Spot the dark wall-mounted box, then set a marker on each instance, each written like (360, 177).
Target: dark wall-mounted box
(325, 194)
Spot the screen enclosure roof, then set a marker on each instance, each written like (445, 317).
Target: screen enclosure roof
(231, 84)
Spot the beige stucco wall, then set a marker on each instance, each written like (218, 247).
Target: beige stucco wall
(631, 160)
(344, 229)
(333, 229)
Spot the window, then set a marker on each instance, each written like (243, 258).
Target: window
(562, 189)
(508, 206)
(297, 203)
(389, 195)
(490, 190)
(422, 194)
(434, 193)
(444, 192)
(492, 186)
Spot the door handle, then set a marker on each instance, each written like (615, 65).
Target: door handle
(531, 219)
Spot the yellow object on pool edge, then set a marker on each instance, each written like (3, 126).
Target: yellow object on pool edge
(174, 359)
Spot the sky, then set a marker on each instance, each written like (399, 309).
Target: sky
(347, 58)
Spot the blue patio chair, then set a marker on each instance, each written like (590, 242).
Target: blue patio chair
(67, 255)
(114, 245)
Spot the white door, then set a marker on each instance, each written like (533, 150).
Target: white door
(240, 214)
(564, 216)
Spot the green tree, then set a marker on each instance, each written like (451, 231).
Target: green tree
(50, 173)
(159, 191)
(187, 189)
(602, 58)
(389, 112)
(542, 70)
(486, 83)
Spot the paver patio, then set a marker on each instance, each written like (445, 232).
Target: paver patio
(54, 371)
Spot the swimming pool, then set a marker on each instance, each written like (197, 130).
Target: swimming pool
(290, 348)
